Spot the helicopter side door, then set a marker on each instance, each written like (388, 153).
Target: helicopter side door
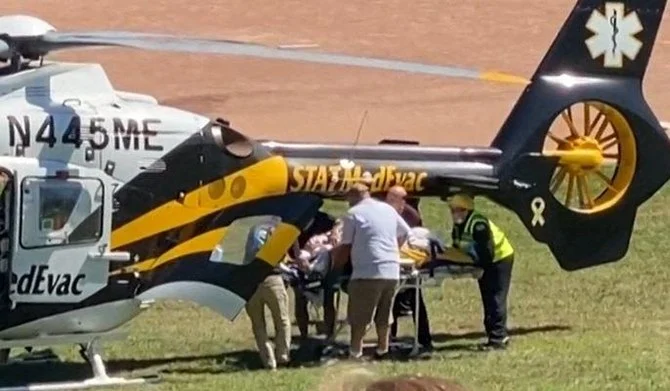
(50, 261)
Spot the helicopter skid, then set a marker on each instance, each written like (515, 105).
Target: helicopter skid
(91, 353)
(81, 385)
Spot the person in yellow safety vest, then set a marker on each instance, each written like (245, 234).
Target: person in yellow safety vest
(475, 234)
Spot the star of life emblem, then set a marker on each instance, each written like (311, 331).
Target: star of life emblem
(614, 35)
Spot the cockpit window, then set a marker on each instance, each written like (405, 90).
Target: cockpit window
(52, 208)
(56, 205)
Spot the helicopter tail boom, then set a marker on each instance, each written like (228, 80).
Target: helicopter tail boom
(581, 149)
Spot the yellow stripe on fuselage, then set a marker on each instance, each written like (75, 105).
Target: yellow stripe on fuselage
(200, 243)
(273, 251)
(265, 178)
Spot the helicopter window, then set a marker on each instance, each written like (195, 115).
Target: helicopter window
(56, 205)
(52, 208)
(243, 239)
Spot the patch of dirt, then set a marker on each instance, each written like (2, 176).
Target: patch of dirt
(290, 101)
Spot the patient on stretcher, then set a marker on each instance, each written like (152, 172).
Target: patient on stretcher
(313, 281)
(314, 257)
(312, 263)
(422, 251)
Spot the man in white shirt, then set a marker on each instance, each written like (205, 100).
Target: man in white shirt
(371, 236)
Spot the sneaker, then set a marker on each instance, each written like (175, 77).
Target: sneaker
(359, 358)
(284, 361)
(355, 356)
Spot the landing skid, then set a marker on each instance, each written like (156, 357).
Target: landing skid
(91, 353)
(33, 357)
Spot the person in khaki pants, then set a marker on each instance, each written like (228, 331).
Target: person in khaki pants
(372, 233)
(271, 293)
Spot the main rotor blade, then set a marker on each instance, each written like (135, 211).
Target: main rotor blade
(59, 40)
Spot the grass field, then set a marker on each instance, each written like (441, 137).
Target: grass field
(602, 328)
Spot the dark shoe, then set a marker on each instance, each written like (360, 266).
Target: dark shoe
(495, 344)
(396, 347)
(394, 342)
(329, 351)
(427, 347)
(425, 352)
(381, 356)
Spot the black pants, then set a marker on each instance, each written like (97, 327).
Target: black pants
(302, 314)
(331, 285)
(406, 299)
(494, 287)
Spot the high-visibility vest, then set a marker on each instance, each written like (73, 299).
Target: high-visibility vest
(502, 248)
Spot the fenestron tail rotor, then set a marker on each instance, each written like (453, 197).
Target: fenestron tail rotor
(33, 38)
(596, 151)
(582, 149)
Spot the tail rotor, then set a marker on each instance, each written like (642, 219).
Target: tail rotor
(582, 149)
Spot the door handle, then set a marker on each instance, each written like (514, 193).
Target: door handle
(114, 256)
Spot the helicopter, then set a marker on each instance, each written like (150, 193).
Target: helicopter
(111, 201)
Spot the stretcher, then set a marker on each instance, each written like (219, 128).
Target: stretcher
(429, 274)
(421, 267)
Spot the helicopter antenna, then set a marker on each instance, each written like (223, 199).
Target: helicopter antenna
(360, 129)
(349, 163)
